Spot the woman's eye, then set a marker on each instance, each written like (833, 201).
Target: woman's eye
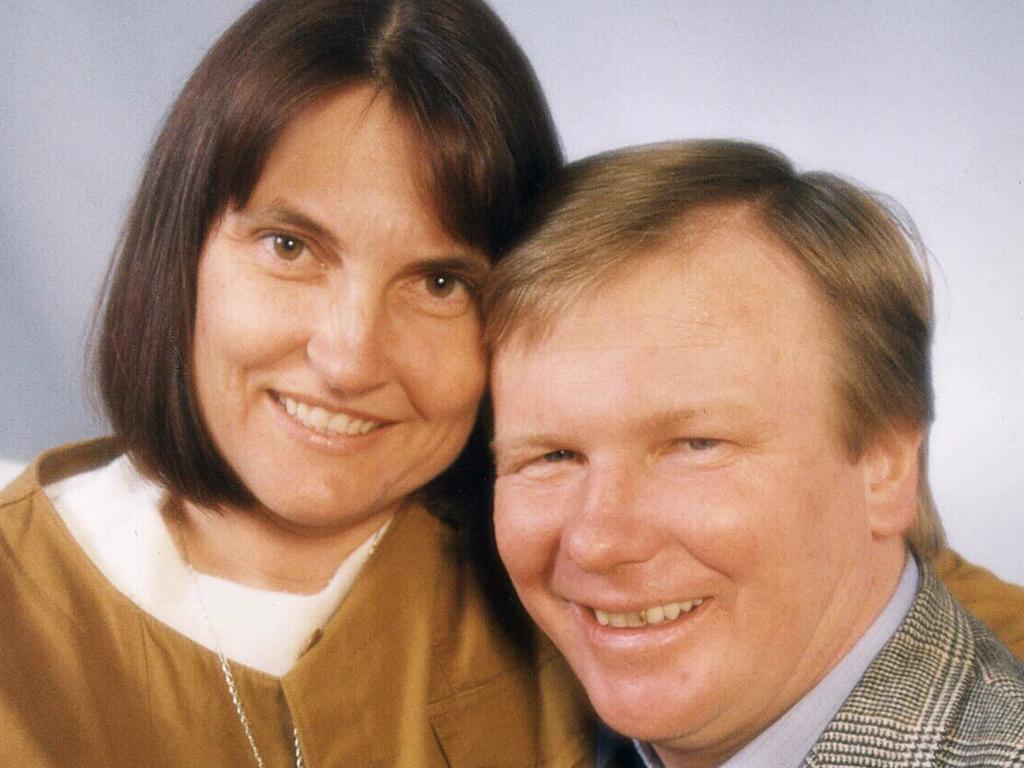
(441, 285)
(442, 294)
(286, 247)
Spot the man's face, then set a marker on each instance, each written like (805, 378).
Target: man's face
(674, 504)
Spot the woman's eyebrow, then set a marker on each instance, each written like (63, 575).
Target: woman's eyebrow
(278, 212)
(281, 213)
(471, 264)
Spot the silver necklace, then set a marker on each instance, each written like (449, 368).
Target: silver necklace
(175, 512)
(225, 666)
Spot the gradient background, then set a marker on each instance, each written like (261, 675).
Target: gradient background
(921, 100)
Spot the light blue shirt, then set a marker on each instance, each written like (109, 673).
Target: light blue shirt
(786, 742)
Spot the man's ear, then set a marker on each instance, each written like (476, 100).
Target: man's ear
(891, 464)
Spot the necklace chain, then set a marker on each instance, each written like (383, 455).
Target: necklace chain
(225, 665)
(175, 512)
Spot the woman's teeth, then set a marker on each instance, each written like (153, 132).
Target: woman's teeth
(325, 422)
(657, 614)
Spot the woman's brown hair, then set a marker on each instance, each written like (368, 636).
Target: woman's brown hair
(449, 67)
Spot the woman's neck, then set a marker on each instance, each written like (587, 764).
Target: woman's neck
(254, 548)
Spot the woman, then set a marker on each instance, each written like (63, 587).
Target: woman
(289, 356)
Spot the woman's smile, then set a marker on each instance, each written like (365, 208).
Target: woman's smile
(327, 421)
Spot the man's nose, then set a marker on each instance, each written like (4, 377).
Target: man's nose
(607, 528)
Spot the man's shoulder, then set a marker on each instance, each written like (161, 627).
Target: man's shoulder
(972, 679)
(994, 698)
(942, 692)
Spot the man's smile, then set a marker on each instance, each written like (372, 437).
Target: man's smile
(656, 614)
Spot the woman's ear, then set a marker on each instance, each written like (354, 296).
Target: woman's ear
(891, 464)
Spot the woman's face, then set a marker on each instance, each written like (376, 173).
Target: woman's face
(337, 356)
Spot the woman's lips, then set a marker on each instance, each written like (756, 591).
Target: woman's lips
(324, 421)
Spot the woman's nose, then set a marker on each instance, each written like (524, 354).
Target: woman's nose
(347, 344)
(606, 528)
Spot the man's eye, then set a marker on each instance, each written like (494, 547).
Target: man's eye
(561, 454)
(547, 467)
(700, 443)
(685, 455)
(286, 247)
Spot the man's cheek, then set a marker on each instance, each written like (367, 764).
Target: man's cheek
(525, 537)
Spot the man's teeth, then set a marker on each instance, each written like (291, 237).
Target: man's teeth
(325, 422)
(657, 614)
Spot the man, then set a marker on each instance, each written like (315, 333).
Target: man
(711, 395)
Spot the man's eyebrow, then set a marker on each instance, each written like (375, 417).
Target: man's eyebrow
(668, 419)
(278, 212)
(504, 446)
(660, 422)
(672, 419)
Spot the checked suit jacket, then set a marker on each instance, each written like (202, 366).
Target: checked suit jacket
(942, 693)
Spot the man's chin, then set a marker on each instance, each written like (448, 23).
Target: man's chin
(651, 715)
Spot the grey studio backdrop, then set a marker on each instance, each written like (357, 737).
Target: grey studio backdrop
(922, 100)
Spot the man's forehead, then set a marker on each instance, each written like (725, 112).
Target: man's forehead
(673, 301)
(717, 258)
(731, 322)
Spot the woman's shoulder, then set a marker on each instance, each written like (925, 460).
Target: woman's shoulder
(420, 607)
(999, 604)
(59, 464)
(518, 684)
(43, 568)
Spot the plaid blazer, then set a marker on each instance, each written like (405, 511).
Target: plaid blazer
(942, 693)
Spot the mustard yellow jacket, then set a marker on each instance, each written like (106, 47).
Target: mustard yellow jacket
(998, 604)
(409, 672)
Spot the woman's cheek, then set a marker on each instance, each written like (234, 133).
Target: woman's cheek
(443, 362)
(248, 317)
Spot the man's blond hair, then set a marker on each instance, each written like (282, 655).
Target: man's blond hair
(611, 211)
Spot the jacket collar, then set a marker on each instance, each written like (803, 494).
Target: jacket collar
(912, 692)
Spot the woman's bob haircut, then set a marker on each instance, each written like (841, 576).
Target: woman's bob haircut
(448, 66)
